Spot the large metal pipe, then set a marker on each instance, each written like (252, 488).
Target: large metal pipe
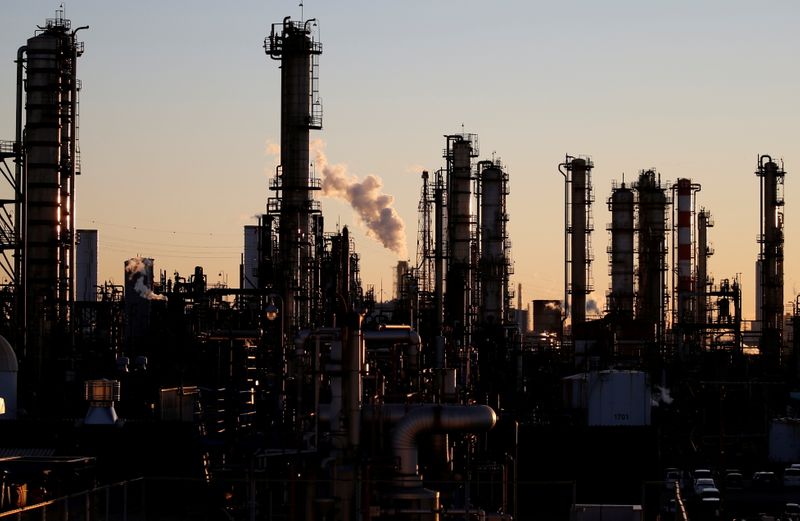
(19, 210)
(434, 418)
(353, 362)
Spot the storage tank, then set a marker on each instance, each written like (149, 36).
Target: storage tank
(86, 266)
(618, 398)
(784, 440)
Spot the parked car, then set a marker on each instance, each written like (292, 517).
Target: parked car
(702, 473)
(703, 483)
(791, 477)
(791, 511)
(671, 477)
(764, 479)
(733, 480)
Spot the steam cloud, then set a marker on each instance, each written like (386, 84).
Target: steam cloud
(373, 208)
(136, 270)
(660, 395)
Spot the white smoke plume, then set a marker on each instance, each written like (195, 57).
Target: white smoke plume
(138, 270)
(373, 207)
(660, 395)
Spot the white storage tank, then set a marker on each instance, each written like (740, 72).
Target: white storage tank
(784, 440)
(8, 379)
(618, 398)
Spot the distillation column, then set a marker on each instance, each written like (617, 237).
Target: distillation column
(292, 43)
(652, 227)
(704, 251)
(458, 305)
(493, 271)
(578, 175)
(620, 299)
(771, 258)
(51, 163)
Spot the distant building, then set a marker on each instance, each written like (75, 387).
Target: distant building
(250, 257)
(547, 316)
(86, 247)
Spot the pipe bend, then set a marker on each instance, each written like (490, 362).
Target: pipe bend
(436, 418)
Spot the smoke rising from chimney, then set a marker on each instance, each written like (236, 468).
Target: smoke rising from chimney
(136, 270)
(373, 207)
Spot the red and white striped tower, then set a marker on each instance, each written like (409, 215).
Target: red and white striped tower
(685, 284)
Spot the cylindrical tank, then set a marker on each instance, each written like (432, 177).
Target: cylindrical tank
(622, 226)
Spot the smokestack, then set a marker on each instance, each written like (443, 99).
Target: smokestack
(684, 308)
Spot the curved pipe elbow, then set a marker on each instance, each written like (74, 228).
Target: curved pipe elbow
(436, 418)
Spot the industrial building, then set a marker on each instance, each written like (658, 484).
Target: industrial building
(298, 396)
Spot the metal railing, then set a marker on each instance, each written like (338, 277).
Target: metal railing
(122, 501)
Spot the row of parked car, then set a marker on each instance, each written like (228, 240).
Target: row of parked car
(703, 482)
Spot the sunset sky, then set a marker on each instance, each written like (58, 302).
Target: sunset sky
(180, 114)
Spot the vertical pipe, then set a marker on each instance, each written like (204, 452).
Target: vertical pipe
(439, 209)
(20, 193)
(566, 311)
